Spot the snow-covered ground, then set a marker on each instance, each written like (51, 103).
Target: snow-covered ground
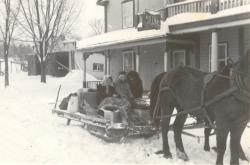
(30, 134)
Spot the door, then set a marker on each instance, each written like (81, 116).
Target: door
(179, 58)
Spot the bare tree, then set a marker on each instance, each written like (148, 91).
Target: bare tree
(44, 21)
(7, 25)
(97, 26)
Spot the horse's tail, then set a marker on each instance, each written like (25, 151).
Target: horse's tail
(156, 108)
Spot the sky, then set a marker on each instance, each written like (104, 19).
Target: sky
(89, 12)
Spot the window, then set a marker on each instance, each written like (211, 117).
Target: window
(222, 56)
(97, 67)
(179, 58)
(128, 61)
(127, 14)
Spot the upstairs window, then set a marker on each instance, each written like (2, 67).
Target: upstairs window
(127, 14)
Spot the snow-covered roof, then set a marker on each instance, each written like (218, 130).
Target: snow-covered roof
(120, 36)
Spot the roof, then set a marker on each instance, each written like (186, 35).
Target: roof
(119, 37)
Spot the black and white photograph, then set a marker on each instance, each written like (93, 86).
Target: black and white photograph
(124, 82)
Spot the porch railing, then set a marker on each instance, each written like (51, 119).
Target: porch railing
(199, 6)
(93, 84)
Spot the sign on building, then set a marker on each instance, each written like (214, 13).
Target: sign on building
(149, 20)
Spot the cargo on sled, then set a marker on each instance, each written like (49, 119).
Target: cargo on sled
(105, 122)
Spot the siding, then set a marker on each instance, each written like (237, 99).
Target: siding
(246, 36)
(230, 35)
(151, 63)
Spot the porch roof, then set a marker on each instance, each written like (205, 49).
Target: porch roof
(237, 16)
(120, 39)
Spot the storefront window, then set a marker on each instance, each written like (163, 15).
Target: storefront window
(128, 61)
(127, 14)
(222, 56)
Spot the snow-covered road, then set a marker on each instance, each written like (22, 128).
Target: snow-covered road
(30, 134)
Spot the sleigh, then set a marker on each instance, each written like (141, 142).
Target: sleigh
(106, 123)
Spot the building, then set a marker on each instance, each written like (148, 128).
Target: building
(59, 62)
(152, 36)
(94, 66)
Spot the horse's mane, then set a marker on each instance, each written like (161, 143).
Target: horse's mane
(190, 70)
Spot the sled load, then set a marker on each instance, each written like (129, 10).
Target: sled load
(105, 122)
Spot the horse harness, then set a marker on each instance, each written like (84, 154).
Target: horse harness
(238, 90)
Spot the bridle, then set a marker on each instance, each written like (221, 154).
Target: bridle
(238, 78)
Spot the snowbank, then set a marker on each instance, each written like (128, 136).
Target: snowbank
(30, 134)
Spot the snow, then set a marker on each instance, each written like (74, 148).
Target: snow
(31, 134)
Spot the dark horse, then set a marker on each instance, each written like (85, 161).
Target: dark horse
(135, 84)
(232, 112)
(155, 112)
(183, 88)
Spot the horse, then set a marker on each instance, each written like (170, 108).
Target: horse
(155, 112)
(182, 89)
(231, 112)
(135, 84)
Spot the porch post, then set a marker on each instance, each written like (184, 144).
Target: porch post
(137, 60)
(85, 57)
(108, 62)
(70, 61)
(166, 61)
(214, 51)
(105, 63)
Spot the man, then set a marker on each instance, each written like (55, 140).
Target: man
(122, 87)
(123, 91)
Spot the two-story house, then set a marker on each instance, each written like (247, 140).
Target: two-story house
(152, 36)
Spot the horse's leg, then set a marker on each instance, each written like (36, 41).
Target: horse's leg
(166, 109)
(207, 132)
(178, 126)
(221, 137)
(236, 133)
